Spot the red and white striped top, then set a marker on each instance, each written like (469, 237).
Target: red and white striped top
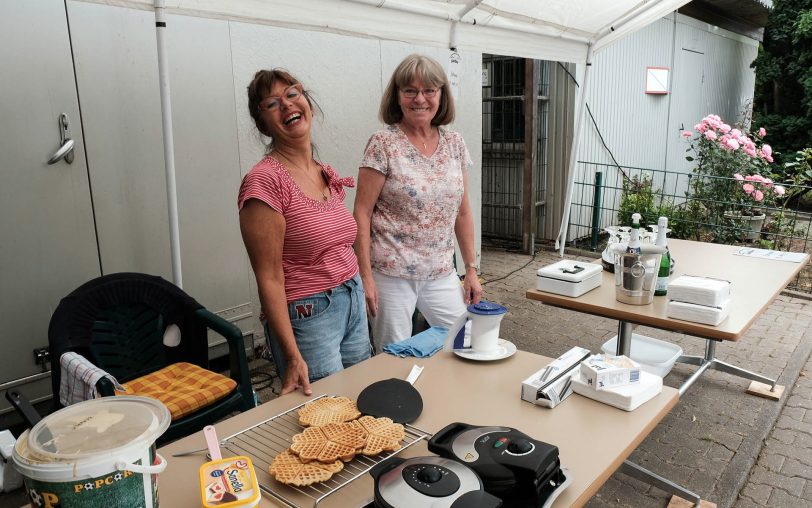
(317, 252)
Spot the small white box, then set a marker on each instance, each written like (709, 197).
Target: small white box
(703, 314)
(699, 290)
(627, 397)
(605, 371)
(569, 278)
(550, 385)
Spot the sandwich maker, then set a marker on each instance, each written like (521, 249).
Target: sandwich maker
(523, 472)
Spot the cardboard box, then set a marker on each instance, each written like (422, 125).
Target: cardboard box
(605, 371)
(569, 278)
(551, 385)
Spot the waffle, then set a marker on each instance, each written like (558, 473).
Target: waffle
(383, 434)
(330, 442)
(288, 469)
(328, 410)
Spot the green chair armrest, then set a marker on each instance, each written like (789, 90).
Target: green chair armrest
(238, 362)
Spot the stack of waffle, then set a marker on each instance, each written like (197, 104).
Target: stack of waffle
(699, 299)
(334, 434)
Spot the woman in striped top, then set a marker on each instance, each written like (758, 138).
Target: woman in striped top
(299, 236)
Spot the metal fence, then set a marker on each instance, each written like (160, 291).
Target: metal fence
(699, 207)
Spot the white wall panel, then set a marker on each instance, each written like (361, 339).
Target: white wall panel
(117, 73)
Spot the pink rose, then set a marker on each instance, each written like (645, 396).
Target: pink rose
(748, 188)
(767, 150)
(762, 132)
(732, 144)
(738, 177)
(687, 134)
(725, 128)
(779, 189)
(710, 135)
(758, 195)
(736, 133)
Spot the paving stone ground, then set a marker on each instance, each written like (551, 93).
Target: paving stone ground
(729, 447)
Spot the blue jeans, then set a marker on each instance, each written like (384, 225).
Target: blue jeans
(330, 329)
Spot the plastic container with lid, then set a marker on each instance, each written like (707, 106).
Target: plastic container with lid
(569, 278)
(229, 483)
(96, 453)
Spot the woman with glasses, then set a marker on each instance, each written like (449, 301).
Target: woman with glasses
(412, 200)
(299, 236)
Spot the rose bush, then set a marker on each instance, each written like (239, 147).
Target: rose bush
(732, 168)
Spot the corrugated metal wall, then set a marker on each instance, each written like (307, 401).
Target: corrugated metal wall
(710, 73)
(560, 126)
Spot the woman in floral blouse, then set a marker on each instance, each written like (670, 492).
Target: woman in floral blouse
(412, 200)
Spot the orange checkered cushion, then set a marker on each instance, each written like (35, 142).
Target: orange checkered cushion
(182, 387)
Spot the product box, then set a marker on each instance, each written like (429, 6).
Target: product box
(605, 371)
(703, 314)
(626, 397)
(552, 384)
(705, 291)
(569, 278)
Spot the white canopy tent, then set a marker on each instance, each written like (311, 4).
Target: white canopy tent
(557, 30)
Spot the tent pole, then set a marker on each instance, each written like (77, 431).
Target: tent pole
(169, 143)
(561, 240)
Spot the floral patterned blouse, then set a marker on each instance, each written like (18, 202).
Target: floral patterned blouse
(412, 229)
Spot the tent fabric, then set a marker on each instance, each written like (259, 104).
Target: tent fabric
(558, 30)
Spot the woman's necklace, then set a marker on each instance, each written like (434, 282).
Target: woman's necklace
(425, 141)
(319, 181)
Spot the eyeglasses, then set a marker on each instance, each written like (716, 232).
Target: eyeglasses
(411, 93)
(291, 93)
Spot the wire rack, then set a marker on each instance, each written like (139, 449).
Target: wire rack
(265, 440)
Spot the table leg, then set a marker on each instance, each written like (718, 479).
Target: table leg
(631, 469)
(709, 361)
(624, 338)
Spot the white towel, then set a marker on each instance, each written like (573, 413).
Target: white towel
(79, 378)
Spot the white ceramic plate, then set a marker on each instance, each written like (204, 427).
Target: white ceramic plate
(503, 350)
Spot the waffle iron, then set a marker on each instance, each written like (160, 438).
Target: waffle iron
(523, 472)
(428, 481)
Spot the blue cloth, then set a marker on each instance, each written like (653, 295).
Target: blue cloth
(422, 345)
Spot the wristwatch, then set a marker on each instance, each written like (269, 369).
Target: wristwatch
(471, 265)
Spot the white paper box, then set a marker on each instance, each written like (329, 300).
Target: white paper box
(605, 371)
(698, 313)
(546, 387)
(627, 397)
(699, 290)
(569, 278)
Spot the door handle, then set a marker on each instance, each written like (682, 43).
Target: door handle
(66, 144)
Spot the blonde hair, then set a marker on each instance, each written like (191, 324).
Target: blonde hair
(432, 74)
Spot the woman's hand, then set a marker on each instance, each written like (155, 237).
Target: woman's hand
(371, 296)
(296, 376)
(471, 287)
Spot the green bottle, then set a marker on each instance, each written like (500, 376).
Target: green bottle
(664, 273)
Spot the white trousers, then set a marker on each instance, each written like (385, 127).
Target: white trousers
(440, 301)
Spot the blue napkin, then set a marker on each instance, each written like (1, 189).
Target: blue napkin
(422, 345)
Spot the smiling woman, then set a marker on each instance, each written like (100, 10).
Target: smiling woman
(299, 237)
(412, 201)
